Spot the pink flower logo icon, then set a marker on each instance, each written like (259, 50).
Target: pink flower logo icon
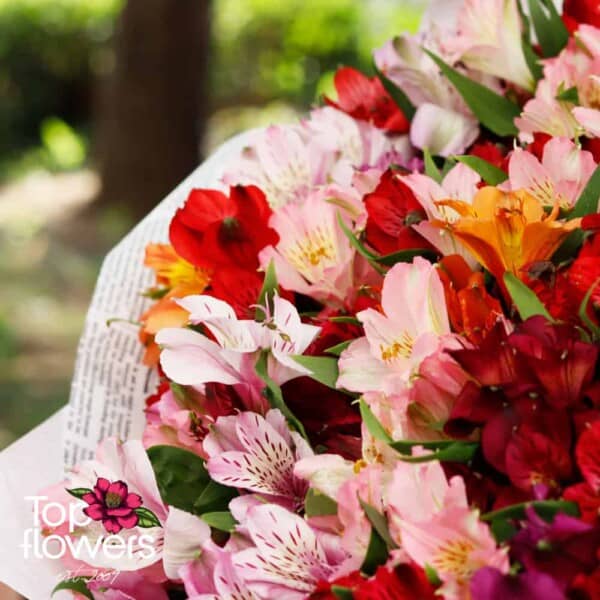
(114, 505)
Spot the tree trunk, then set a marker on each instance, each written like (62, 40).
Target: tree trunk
(153, 109)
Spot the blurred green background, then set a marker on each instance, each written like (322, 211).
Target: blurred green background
(104, 106)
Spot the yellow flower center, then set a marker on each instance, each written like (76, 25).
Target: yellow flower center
(400, 347)
(313, 252)
(453, 557)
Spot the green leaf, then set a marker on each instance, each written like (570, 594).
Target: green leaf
(273, 393)
(348, 319)
(79, 493)
(343, 593)
(432, 576)
(587, 203)
(339, 348)
(76, 584)
(184, 482)
(377, 554)
(389, 260)
(502, 530)
(569, 95)
(146, 518)
(317, 504)
(495, 112)
(457, 451)
(359, 246)
(583, 313)
(323, 369)
(431, 169)
(491, 174)
(268, 290)
(551, 33)
(221, 520)
(379, 522)
(525, 299)
(544, 508)
(372, 423)
(398, 96)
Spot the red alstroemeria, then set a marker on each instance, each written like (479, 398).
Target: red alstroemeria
(562, 363)
(587, 493)
(533, 458)
(582, 11)
(392, 208)
(406, 582)
(473, 312)
(490, 153)
(215, 230)
(366, 100)
(584, 273)
(113, 504)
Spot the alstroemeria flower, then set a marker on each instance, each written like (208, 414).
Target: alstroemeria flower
(489, 40)
(258, 454)
(190, 358)
(288, 162)
(491, 584)
(168, 546)
(442, 123)
(215, 230)
(587, 493)
(288, 558)
(409, 329)
(313, 256)
(365, 99)
(575, 67)
(560, 177)
(505, 231)
(430, 517)
(460, 183)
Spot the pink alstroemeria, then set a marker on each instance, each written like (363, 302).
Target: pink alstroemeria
(560, 177)
(413, 321)
(288, 559)
(313, 256)
(258, 454)
(442, 123)
(460, 183)
(489, 40)
(288, 162)
(212, 576)
(431, 519)
(190, 358)
(575, 67)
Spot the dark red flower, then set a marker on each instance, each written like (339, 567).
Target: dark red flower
(214, 230)
(586, 587)
(561, 362)
(392, 208)
(239, 288)
(533, 458)
(113, 504)
(583, 11)
(587, 493)
(366, 100)
(329, 417)
(537, 146)
(491, 584)
(406, 582)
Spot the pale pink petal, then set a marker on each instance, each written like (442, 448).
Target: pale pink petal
(589, 119)
(184, 536)
(442, 131)
(189, 358)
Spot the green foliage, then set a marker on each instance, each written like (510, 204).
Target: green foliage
(50, 50)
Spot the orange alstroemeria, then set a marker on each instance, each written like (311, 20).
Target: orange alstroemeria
(472, 311)
(177, 278)
(506, 231)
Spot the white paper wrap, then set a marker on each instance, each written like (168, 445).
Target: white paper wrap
(109, 385)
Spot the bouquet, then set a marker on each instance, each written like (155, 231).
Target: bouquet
(373, 343)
